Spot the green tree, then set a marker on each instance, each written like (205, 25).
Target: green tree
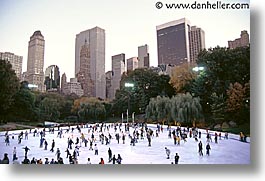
(9, 87)
(147, 84)
(222, 67)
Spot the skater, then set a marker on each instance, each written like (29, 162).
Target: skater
(58, 153)
(26, 150)
(119, 159)
(53, 145)
(110, 154)
(88, 161)
(96, 149)
(45, 144)
(208, 147)
(113, 159)
(101, 161)
(176, 158)
(26, 160)
(200, 148)
(5, 159)
(14, 154)
(167, 152)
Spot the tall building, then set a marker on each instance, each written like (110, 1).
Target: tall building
(84, 75)
(132, 63)
(173, 42)
(143, 56)
(15, 61)
(95, 38)
(118, 67)
(108, 84)
(52, 79)
(35, 74)
(197, 42)
(63, 83)
(243, 41)
(178, 42)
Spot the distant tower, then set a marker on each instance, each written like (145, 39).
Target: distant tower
(197, 42)
(84, 75)
(52, 79)
(96, 44)
(143, 56)
(132, 63)
(118, 67)
(35, 74)
(63, 83)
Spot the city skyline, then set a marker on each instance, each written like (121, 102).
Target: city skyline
(60, 24)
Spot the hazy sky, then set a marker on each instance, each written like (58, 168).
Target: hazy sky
(127, 23)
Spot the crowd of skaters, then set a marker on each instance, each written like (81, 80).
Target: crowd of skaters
(140, 132)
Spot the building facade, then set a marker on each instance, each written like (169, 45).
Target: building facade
(143, 56)
(95, 38)
(84, 75)
(73, 87)
(197, 42)
(178, 42)
(108, 84)
(35, 63)
(15, 61)
(243, 41)
(132, 63)
(118, 68)
(52, 79)
(173, 42)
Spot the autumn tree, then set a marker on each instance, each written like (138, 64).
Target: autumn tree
(182, 76)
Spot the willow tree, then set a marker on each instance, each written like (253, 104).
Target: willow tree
(185, 108)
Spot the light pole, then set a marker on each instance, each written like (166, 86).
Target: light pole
(128, 85)
(133, 118)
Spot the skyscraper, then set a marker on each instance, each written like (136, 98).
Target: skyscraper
(178, 42)
(15, 61)
(52, 78)
(197, 42)
(143, 56)
(84, 75)
(35, 74)
(132, 63)
(118, 67)
(173, 42)
(95, 38)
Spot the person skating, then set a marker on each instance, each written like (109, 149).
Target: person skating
(26, 150)
(88, 161)
(208, 147)
(176, 158)
(14, 153)
(58, 153)
(110, 154)
(96, 149)
(101, 161)
(200, 148)
(5, 159)
(113, 159)
(26, 160)
(167, 152)
(119, 159)
(53, 145)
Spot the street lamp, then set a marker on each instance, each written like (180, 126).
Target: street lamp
(128, 85)
(197, 69)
